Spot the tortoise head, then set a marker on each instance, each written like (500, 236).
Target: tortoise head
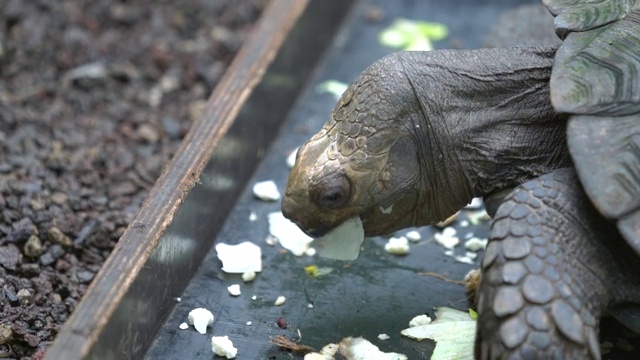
(365, 160)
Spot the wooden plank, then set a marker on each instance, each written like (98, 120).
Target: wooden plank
(112, 290)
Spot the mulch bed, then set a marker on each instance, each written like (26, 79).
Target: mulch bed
(95, 98)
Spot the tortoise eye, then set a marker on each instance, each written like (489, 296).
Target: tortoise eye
(332, 192)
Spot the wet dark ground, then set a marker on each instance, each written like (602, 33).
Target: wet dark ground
(95, 97)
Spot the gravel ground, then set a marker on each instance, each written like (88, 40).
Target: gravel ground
(95, 97)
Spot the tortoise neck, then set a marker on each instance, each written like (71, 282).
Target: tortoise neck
(485, 121)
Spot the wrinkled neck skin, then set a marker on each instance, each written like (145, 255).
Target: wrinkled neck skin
(486, 123)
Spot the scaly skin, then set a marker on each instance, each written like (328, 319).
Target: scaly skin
(419, 134)
(553, 267)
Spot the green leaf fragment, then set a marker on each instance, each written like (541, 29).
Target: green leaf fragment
(412, 35)
(334, 87)
(453, 331)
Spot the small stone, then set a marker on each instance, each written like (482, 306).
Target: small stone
(33, 247)
(24, 296)
(85, 276)
(30, 269)
(58, 237)
(36, 204)
(59, 198)
(31, 339)
(148, 133)
(11, 296)
(6, 334)
(9, 256)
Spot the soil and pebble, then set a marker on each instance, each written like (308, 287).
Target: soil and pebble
(95, 97)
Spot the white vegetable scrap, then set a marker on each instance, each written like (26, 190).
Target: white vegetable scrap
(453, 331)
(254, 298)
(326, 353)
(413, 236)
(476, 203)
(271, 240)
(184, 326)
(420, 320)
(240, 258)
(249, 323)
(289, 234)
(447, 238)
(384, 337)
(234, 290)
(200, 318)
(280, 300)
(248, 276)
(310, 306)
(253, 216)
(291, 159)
(477, 217)
(310, 251)
(475, 244)
(343, 242)
(266, 190)
(222, 346)
(397, 246)
(464, 259)
(361, 348)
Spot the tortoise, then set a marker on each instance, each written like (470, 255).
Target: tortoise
(549, 136)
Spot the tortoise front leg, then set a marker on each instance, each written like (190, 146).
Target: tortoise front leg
(548, 274)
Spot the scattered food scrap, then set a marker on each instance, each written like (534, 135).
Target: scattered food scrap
(234, 290)
(448, 221)
(266, 190)
(222, 346)
(326, 353)
(447, 238)
(248, 276)
(280, 300)
(333, 87)
(316, 271)
(413, 236)
(184, 326)
(291, 159)
(419, 320)
(476, 203)
(200, 318)
(289, 234)
(412, 35)
(384, 337)
(240, 258)
(453, 331)
(285, 343)
(475, 244)
(397, 246)
(282, 323)
(360, 348)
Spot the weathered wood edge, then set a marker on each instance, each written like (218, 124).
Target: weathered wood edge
(89, 319)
